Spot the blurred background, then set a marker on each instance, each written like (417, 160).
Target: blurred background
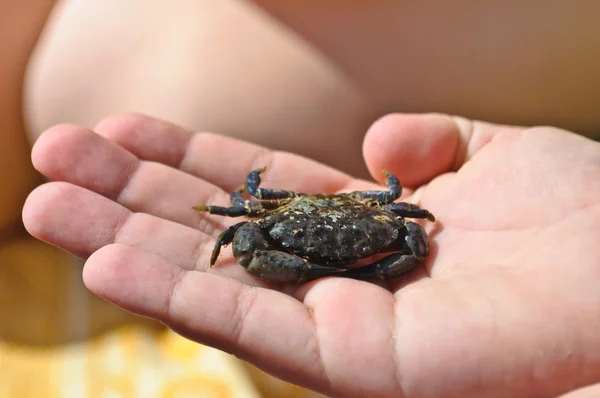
(306, 78)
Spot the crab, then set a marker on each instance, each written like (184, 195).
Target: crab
(296, 237)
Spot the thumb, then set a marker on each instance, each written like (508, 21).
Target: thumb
(419, 147)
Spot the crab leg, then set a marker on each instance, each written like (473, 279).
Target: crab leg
(394, 192)
(238, 200)
(241, 207)
(236, 197)
(235, 211)
(409, 211)
(253, 181)
(225, 238)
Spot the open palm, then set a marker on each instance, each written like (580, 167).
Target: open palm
(507, 304)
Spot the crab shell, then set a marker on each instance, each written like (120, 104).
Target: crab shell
(333, 230)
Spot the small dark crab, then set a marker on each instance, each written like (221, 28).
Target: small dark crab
(299, 237)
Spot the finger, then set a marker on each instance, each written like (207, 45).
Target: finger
(74, 154)
(81, 157)
(342, 307)
(220, 160)
(266, 327)
(63, 215)
(419, 147)
(147, 138)
(78, 156)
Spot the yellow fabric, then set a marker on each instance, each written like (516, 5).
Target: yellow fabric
(58, 340)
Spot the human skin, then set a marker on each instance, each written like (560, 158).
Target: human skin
(272, 71)
(506, 304)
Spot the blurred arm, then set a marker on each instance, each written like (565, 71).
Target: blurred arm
(20, 25)
(508, 62)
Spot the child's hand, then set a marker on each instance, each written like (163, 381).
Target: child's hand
(506, 305)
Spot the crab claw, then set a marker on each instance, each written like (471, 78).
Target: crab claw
(241, 188)
(430, 216)
(261, 170)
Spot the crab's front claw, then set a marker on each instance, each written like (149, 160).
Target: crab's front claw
(254, 252)
(389, 267)
(316, 271)
(278, 266)
(414, 247)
